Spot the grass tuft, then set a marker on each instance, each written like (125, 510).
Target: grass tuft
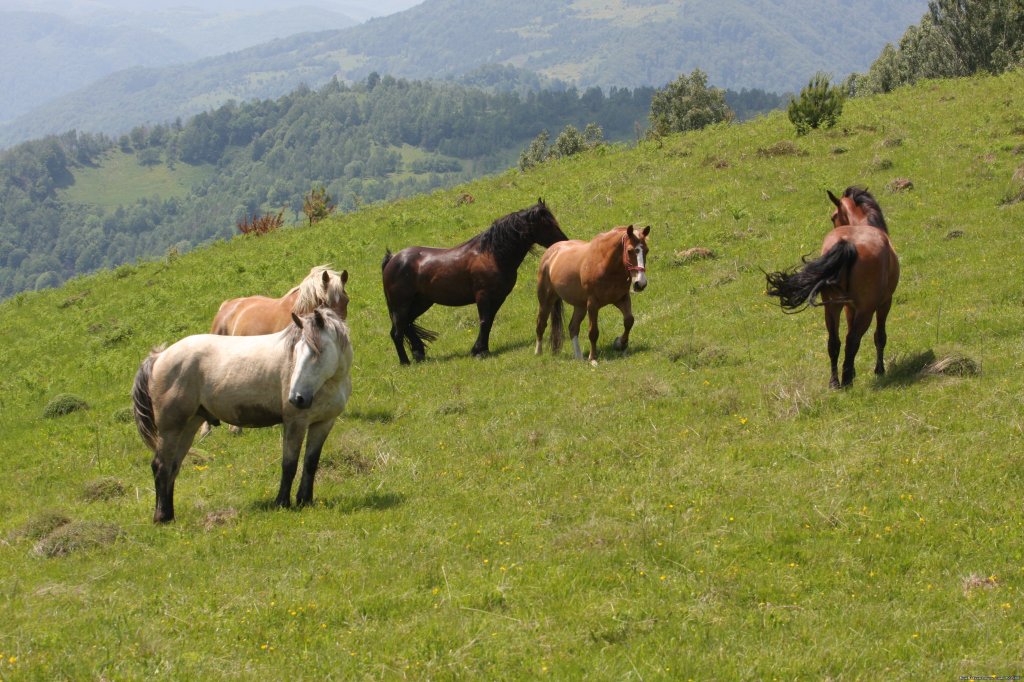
(781, 148)
(103, 489)
(40, 525)
(692, 254)
(219, 517)
(77, 536)
(956, 364)
(64, 404)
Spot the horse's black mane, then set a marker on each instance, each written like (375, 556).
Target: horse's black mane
(867, 203)
(510, 237)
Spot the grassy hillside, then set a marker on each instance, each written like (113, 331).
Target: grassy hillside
(118, 179)
(701, 507)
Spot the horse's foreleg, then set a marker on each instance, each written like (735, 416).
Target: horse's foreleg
(487, 308)
(592, 309)
(832, 326)
(626, 306)
(315, 438)
(291, 446)
(173, 446)
(857, 324)
(880, 336)
(575, 322)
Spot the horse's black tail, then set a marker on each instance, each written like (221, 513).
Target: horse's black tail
(143, 402)
(557, 330)
(387, 259)
(798, 288)
(424, 335)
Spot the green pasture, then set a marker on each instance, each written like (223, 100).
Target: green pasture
(120, 180)
(700, 507)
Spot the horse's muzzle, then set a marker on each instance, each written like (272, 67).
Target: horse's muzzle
(300, 401)
(639, 285)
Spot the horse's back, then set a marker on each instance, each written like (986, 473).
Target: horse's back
(252, 316)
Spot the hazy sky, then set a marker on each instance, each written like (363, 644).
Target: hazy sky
(357, 9)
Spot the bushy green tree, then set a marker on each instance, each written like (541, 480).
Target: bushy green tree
(819, 106)
(687, 103)
(954, 38)
(536, 153)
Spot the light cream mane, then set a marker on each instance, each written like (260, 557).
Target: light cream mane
(313, 294)
(312, 334)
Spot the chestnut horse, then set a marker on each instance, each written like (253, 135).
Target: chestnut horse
(298, 377)
(254, 315)
(589, 276)
(858, 271)
(481, 270)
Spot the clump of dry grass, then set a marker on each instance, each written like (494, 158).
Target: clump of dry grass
(219, 517)
(974, 581)
(40, 526)
(781, 148)
(106, 488)
(77, 536)
(693, 254)
(954, 364)
(899, 185)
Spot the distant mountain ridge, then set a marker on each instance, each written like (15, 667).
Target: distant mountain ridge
(740, 43)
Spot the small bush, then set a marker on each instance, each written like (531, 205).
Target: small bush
(63, 404)
(819, 106)
(123, 415)
(318, 204)
(261, 224)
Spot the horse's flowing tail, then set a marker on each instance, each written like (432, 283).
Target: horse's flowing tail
(798, 288)
(143, 402)
(556, 326)
(424, 335)
(387, 259)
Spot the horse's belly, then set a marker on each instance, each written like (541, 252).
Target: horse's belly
(254, 416)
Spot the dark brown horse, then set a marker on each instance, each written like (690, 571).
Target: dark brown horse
(857, 272)
(481, 270)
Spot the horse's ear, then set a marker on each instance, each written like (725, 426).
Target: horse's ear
(629, 232)
(647, 231)
(540, 201)
(832, 197)
(318, 318)
(327, 278)
(296, 320)
(344, 276)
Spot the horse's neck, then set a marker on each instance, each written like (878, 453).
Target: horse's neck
(609, 245)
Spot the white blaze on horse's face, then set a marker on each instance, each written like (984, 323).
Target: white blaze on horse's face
(640, 274)
(310, 371)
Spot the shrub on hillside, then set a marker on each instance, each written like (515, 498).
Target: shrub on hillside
(318, 204)
(687, 103)
(568, 143)
(819, 106)
(261, 224)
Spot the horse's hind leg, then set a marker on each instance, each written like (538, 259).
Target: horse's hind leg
(592, 310)
(880, 336)
(315, 438)
(545, 302)
(857, 324)
(578, 313)
(173, 446)
(626, 306)
(419, 349)
(832, 326)
(398, 325)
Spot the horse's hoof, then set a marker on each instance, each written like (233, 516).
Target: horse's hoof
(419, 357)
(617, 344)
(593, 363)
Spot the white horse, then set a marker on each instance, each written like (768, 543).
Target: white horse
(298, 377)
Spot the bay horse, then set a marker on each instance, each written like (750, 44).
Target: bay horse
(254, 315)
(298, 377)
(858, 271)
(589, 276)
(481, 270)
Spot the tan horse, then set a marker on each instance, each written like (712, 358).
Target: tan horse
(589, 276)
(298, 377)
(857, 272)
(254, 315)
